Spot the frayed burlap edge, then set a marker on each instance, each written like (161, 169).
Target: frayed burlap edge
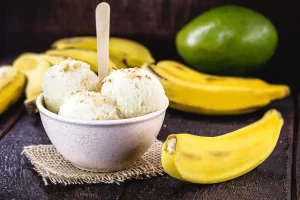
(54, 168)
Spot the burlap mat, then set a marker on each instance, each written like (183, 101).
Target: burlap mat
(52, 166)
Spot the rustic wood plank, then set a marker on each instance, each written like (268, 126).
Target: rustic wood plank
(10, 117)
(19, 180)
(271, 180)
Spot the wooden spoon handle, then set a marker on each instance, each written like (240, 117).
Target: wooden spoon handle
(102, 27)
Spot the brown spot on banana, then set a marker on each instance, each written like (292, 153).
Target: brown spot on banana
(154, 72)
(287, 92)
(124, 61)
(219, 153)
(191, 156)
(210, 78)
(179, 67)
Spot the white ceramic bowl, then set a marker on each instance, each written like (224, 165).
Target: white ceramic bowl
(107, 145)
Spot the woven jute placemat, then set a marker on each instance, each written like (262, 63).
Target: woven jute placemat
(54, 168)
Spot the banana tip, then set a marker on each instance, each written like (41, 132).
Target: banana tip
(287, 91)
(274, 112)
(171, 142)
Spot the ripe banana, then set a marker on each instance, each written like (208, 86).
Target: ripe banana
(217, 98)
(132, 53)
(127, 52)
(12, 83)
(86, 42)
(210, 160)
(84, 55)
(119, 63)
(53, 60)
(34, 67)
(183, 72)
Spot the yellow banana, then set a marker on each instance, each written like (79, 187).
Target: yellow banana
(12, 83)
(84, 55)
(131, 53)
(119, 63)
(34, 67)
(86, 42)
(210, 160)
(53, 60)
(212, 99)
(183, 72)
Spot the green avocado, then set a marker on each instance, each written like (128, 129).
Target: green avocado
(228, 40)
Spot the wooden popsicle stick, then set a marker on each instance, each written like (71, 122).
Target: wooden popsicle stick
(102, 27)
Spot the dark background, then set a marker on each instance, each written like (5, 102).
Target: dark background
(32, 25)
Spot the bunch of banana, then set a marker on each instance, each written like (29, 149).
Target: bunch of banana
(210, 160)
(12, 83)
(34, 67)
(122, 52)
(195, 92)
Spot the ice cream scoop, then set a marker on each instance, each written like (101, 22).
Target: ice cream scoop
(136, 92)
(67, 78)
(101, 145)
(88, 105)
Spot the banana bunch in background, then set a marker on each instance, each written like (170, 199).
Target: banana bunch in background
(195, 92)
(12, 83)
(209, 160)
(188, 90)
(123, 53)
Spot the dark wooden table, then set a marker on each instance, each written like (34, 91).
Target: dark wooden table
(277, 178)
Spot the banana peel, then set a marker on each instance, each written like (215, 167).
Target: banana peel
(34, 67)
(53, 60)
(185, 73)
(119, 63)
(216, 98)
(84, 55)
(127, 53)
(208, 160)
(85, 42)
(133, 53)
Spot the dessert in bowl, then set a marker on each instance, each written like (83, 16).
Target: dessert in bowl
(104, 127)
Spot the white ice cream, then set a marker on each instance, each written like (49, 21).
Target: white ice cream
(136, 92)
(87, 105)
(67, 78)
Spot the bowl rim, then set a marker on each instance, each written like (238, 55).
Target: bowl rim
(55, 116)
